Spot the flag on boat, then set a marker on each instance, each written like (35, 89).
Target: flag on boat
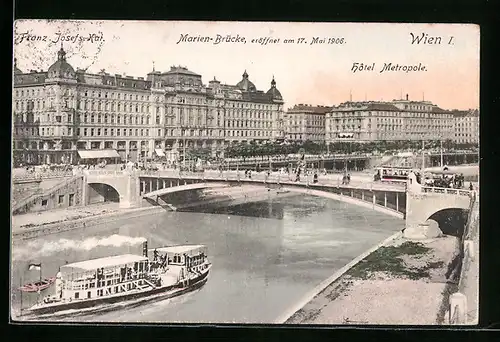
(37, 267)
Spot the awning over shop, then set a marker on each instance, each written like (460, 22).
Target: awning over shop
(96, 154)
(159, 152)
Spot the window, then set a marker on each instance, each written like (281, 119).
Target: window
(77, 295)
(61, 199)
(44, 203)
(71, 199)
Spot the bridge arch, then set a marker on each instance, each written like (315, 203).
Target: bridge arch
(451, 221)
(101, 192)
(155, 195)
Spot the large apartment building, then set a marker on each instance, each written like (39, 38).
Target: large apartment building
(305, 122)
(58, 112)
(466, 124)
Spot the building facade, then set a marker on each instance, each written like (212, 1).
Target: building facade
(60, 111)
(396, 120)
(305, 122)
(466, 124)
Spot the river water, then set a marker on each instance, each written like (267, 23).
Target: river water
(266, 256)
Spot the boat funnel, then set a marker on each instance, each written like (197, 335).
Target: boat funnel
(145, 248)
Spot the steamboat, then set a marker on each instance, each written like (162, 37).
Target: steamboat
(161, 272)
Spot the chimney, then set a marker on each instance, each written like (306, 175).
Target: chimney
(406, 97)
(145, 248)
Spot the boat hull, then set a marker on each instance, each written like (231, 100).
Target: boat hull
(169, 291)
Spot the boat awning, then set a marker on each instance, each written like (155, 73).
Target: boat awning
(93, 154)
(181, 249)
(159, 152)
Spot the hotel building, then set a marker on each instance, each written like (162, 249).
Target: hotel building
(396, 120)
(58, 112)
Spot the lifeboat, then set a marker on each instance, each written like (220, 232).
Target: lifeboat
(38, 286)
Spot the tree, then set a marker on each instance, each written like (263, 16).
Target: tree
(199, 153)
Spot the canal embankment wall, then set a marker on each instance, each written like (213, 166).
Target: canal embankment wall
(324, 284)
(463, 303)
(25, 233)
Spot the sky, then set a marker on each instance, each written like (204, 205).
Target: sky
(317, 74)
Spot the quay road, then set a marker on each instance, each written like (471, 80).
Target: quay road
(359, 180)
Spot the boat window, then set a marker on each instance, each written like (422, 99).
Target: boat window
(77, 295)
(88, 294)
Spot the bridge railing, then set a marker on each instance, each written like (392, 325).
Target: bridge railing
(448, 191)
(103, 172)
(272, 178)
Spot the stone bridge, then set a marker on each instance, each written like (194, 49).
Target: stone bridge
(412, 202)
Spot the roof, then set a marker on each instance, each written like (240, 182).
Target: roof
(30, 78)
(61, 68)
(93, 264)
(382, 106)
(309, 108)
(462, 113)
(245, 84)
(180, 70)
(436, 109)
(86, 154)
(178, 249)
(274, 92)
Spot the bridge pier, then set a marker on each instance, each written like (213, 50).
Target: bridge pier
(385, 199)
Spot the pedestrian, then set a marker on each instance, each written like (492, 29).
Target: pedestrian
(471, 187)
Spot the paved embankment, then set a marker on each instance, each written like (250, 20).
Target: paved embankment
(33, 225)
(396, 282)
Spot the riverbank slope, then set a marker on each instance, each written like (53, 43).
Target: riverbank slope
(401, 283)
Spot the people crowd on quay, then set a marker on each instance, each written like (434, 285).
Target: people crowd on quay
(43, 171)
